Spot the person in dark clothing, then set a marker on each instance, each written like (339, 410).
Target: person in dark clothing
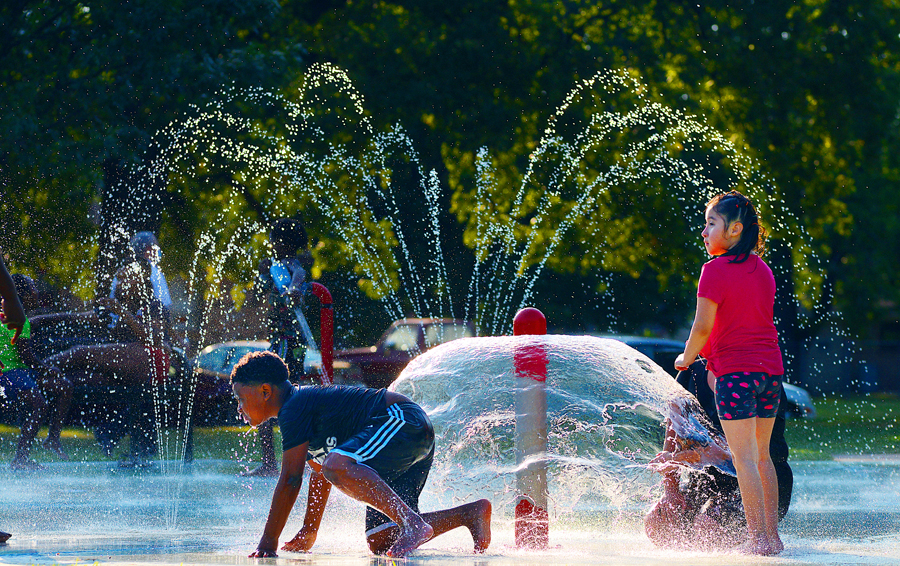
(704, 510)
(282, 279)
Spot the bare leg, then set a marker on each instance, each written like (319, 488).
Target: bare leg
(33, 407)
(363, 484)
(742, 439)
(269, 467)
(474, 516)
(770, 485)
(61, 389)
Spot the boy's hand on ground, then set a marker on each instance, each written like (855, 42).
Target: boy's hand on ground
(302, 542)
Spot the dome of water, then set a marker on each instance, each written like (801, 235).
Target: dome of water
(606, 408)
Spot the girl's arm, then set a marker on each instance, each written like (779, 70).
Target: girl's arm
(145, 329)
(700, 331)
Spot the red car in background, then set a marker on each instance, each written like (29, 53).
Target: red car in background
(379, 365)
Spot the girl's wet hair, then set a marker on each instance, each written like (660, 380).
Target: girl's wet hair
(735, 207)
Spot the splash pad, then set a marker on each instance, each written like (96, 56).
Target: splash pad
(605, 404)
(603, 428)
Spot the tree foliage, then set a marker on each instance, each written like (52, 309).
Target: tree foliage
(807, 90)
(86, 85)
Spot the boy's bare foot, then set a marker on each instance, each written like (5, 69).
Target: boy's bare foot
(4, 537)
(264, 471)
(55, 446)
(25, 465)
(480, 525)
(412, 535)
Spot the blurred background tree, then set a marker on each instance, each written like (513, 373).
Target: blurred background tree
(86, 85)
(809, 90)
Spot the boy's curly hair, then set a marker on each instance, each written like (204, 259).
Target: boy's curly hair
(261, 367)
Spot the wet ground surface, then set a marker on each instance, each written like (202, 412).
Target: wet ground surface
(844, 512)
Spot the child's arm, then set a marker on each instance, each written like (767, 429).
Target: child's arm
(292, 463)
(700, 331)
(137, 327)
(12, 315)
(26, 354)
(317, 499)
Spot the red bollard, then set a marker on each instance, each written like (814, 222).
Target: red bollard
(532, 519)
(326, 331)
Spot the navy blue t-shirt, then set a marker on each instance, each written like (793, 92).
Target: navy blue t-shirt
(326, 416)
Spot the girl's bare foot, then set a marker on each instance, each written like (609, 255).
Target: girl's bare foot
(480, 525)
(55, 446)
(775, 546)
(413, 534)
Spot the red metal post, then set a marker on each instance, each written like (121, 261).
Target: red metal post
(326, 329)
(532, 525)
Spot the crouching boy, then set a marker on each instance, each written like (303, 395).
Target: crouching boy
(372, 444)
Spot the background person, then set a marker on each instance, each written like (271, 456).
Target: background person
(145, 246)
(12, 315)
(138, 356)
(289, 242)
(33, 382)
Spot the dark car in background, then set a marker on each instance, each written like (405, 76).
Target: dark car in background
(379, 365)
(664, 351)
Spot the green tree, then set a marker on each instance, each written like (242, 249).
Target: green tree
(773, 76)
(86, 85)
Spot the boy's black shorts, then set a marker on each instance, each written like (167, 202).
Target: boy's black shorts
(399, 446)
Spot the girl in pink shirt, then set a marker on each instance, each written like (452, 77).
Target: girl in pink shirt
(734, 330)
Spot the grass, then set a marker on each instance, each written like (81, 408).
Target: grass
(236, 443)
(844, 425)
(847, 425)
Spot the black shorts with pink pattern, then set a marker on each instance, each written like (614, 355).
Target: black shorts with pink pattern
(747, 394)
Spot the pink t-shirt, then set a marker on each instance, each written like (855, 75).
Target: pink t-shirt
(743, 337)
